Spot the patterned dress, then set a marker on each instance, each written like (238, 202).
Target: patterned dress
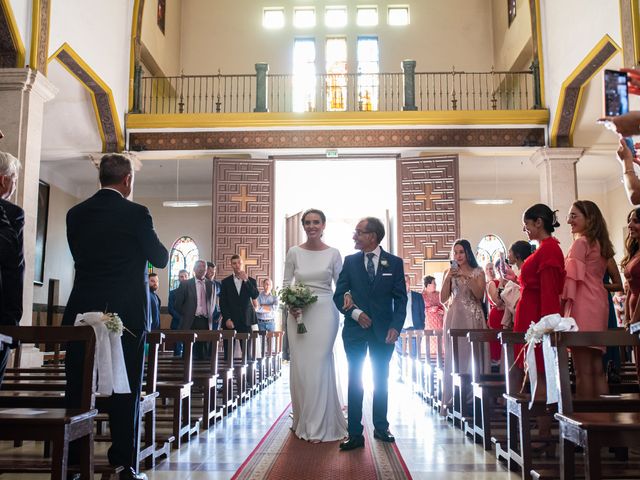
(434, 315)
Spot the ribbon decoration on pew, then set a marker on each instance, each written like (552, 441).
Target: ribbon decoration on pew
(536, 333)
(112, 373)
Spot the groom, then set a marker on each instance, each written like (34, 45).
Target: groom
(372, 296)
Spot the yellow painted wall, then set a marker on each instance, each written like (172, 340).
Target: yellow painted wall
(164, 48)
(512, 47)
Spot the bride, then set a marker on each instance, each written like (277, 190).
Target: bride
(317, 413)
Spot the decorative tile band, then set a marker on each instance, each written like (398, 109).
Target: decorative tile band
(357, 138)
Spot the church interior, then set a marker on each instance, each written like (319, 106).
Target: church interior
(446, 119)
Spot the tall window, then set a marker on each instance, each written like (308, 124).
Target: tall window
(304, 75)
(489, 249)
(336, 83)
(184, 254)
(368, 69)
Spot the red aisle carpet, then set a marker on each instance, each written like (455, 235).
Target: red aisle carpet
(282, 456)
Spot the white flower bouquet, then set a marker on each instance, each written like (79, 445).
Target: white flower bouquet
(297, 296)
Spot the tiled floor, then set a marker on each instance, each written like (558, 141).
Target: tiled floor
(431, 448)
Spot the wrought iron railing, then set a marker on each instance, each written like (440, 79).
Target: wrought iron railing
(386, 92)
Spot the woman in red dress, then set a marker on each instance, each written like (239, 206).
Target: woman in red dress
(496, 308)
(631, 266)
(541, 282)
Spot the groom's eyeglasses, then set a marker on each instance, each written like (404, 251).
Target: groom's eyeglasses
(361, 232)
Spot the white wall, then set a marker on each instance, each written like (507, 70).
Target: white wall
(22, 13)
(441, 34)
(58, 262)
(511, 41)
(100, 32)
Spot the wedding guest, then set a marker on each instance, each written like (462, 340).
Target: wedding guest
(215, 294)
(11, 250)
(154, 301)
(183, 276)
(464, 284)
(237, 294)
(541, 282)
(112, 240)
(267, 307)
(613, 284)
(518, 252)
(434, 310)
(631, 267)
(496, 307)
(413, 320)
(193, 301)
(584, 297)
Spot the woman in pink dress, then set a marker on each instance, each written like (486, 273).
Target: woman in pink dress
(584, 297)
(433, 309)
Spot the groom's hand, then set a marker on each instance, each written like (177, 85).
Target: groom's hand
(392, 336)
(229, 324)
(364, 321)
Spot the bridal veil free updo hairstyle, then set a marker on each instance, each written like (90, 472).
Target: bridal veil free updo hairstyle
(320, 213)
(543, 212)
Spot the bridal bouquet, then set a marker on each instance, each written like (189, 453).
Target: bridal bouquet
(113, 323)
(297, 296)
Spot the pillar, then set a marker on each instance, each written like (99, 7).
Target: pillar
(558, 184)
(23, 93)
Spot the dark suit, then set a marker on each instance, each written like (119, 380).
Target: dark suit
(186, 302)
(154, 310)
(175, 320)
(111, 240)
(238, 307)
(384, 301)
(11, 269)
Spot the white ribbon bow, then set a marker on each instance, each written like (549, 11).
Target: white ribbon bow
(112, 373)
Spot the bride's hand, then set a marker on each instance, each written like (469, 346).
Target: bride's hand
(296, 312)
(348, 302)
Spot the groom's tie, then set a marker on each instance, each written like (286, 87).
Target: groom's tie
(371, 271)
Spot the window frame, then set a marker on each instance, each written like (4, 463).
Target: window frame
(360, 8)
(274, 9)
(305, 8)
(398, 7)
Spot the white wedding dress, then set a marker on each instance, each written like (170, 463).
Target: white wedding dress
(317, 411)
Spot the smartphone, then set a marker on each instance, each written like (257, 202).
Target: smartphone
(616, 99)
(616, 93)
(503, 265)
(454, 264)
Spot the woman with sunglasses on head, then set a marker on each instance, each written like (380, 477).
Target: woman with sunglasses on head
(584, 297)
(464, 284)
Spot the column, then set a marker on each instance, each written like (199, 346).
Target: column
(409, 69)
(261, 87)
(23, 93)
(558, 183)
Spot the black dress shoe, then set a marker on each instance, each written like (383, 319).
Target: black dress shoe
(352, 443)
(384, 435)
(129, 474)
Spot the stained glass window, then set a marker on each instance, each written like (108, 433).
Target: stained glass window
(489, 249)
(336, 87)
(184, 254)
(368, 69)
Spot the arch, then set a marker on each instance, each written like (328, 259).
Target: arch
(183, 255)
(489, 249)
(101, 96)
(570, 98)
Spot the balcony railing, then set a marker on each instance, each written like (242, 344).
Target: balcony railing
(385, 92)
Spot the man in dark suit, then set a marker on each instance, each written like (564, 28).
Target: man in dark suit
(111, 240)
(215, 295)
(193, 301)
(414, 320)
(371, 294)
(11, 250)
(154, 301)
(176, 316)
(237, 295)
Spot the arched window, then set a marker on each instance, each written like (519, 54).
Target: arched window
(489, 249)
(184, 254)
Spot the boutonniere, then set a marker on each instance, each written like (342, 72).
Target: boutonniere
(384, 262)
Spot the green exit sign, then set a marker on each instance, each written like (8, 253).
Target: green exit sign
(332, 153)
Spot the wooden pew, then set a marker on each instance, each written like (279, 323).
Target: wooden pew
(417, 358)
(228, 400)
(434, 368)
(608, 422)
(56, 425)
(461, 382)
(253, 382)
(205, 378)
(487, 388)
(177, 389)
(404, 357)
